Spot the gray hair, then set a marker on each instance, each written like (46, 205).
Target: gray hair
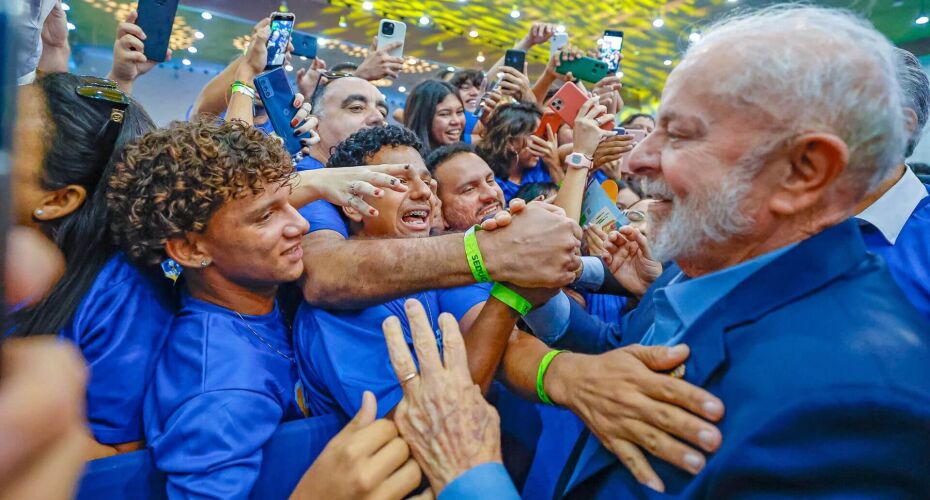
(816, 69)
(915, 93)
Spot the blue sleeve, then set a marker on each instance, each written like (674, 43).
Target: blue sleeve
(851, 443)
(549, 322)
(592, 274)
(322, 214)
(458, 301)
(211, 446)
(563, 324)
(488, 480)
(120, 331)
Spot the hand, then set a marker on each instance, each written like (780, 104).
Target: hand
(627, 405)
(538, 33)
(548, 151)
(438, 223)
(33, 265)
(380, 64)
(630, 261)
(611, 149)
(535, 296)
(256, 56)
(587, 131)
(55, 29)
(367, 459)
(565, 54)
(443, 416)
(536, 250)
(594, 239)
(347, 186)
(307, 79)
(608, 90)
(303, 123)
(489, 104)
(129, 61)
(516, 84)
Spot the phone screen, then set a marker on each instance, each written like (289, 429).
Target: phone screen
(609, 49)
(281, 28)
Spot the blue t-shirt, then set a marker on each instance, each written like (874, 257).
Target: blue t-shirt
(908, 259)
(341, 354)
(470, 121)
(539, 173)
(221, 387)
(120, 328)
(321, 214)
(608, 308)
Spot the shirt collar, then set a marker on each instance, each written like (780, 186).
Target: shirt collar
(890, 213)
(690, 298)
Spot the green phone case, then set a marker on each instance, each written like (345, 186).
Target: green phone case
(587, 69)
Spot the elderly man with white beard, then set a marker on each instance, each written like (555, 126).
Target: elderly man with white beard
(770, 131)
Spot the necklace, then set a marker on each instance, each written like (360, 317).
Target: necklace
(262, 339)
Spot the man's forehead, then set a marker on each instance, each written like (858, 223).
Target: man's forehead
(339, 89)
(463, 168)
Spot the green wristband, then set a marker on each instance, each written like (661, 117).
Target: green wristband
(511, 298)
(541, 373)
(473, 255)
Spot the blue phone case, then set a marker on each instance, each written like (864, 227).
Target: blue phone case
(304, 45)
(277, 95)
(156, 18)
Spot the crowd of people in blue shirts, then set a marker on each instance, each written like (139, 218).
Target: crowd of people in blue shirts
(758, 326)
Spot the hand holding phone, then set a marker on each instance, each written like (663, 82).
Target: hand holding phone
(568, 101)
(304, 45)
(559, 40)
(279, 37)
(609, 49)
(585, 68)
(156, 18)
(515, 83)
(515, 59)
(391, 32)
(277, 95)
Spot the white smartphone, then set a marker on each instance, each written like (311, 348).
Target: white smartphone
(390, 31)
(558, 41)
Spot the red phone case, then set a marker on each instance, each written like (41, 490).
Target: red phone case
(553, 120)
(567, 101)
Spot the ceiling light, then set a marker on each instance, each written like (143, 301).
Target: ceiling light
(515, 13)
(342, 22)
(199, 35)
(402, 88)
(206, 15)
(480, 57)
(65, 7)
(922, 18)
(732, 1)
(694, 37)
(667, 62)
(288, 67)
(71, 26)
(367, 5)
(560, 28)
(186, 61)
(424, 20)
(450, 68)
(473, 33)
(192, 49)
(658, 23)
(303, 58)
(619, 74)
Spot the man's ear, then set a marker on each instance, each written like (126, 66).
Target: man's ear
(353, 214)
(815, 161)
(910, 121)
(59, 203)
(188, 251)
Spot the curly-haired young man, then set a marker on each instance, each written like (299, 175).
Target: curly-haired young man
(216, 199)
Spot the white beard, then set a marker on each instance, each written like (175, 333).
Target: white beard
(712, 215)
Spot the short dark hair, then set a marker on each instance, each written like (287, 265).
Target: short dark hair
(531, 190)
(421, 107)
(630, 119)
(362, 145)
(463, 76)
(508, 121)
(348, 67)
(915, 90)
(445, 153)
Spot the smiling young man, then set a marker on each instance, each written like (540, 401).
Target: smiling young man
(341, 354)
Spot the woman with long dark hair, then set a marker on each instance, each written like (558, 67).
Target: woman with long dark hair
(434, 112)
(69, 131)
(506, 147)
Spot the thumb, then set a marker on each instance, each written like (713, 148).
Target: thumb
(366, 414)
(660, 358)
(131, 18)
(374, 45)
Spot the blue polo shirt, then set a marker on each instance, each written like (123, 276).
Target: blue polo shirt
(470, 121)
(898, 229)
(539, 173)
(321, 214)
(221, 387)
(120, 328)
(341, 354)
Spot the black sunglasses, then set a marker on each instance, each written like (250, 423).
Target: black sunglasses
(330, 77)
(105, 91)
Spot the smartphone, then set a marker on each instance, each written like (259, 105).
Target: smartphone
(486, 89)
(304, 45)
(586, 68)
(515, 59)
(277, 95)
(552, 120)
(567, 101)
(390, 31)
(282, 24)
(559, 40)
(609, 49)
(638, 136)
(156, 18)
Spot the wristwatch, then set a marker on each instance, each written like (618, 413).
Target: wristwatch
(579, 160)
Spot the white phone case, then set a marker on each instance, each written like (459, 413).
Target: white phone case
(400, 31)
(559, 40)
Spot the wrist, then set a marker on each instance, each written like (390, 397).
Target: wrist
(245, 74)
(557, 378)
(487, 242)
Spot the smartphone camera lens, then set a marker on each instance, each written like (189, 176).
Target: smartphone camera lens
(387, 29)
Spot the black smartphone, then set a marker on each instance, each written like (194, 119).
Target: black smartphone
(156, 18)
(277, 95)
(304, 45)
(282, 24)
(609, 49)
(515, 59)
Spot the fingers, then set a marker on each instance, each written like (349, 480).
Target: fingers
(599, 232)
(131, 18)
(399, 353)
(637, 236)
(517, 205)
(400, 483)
(358, 203)
(659, 358)
(371, 438)
(661, 445)
(499, 220)
(636, 463)
(377, 179)
(388, 459)
(308, 126)
(392, 169)
(684, 395)
(128, 28)
(366, 414)
(362, 188)
(424, 340)
(454, 348)
(677, 422)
